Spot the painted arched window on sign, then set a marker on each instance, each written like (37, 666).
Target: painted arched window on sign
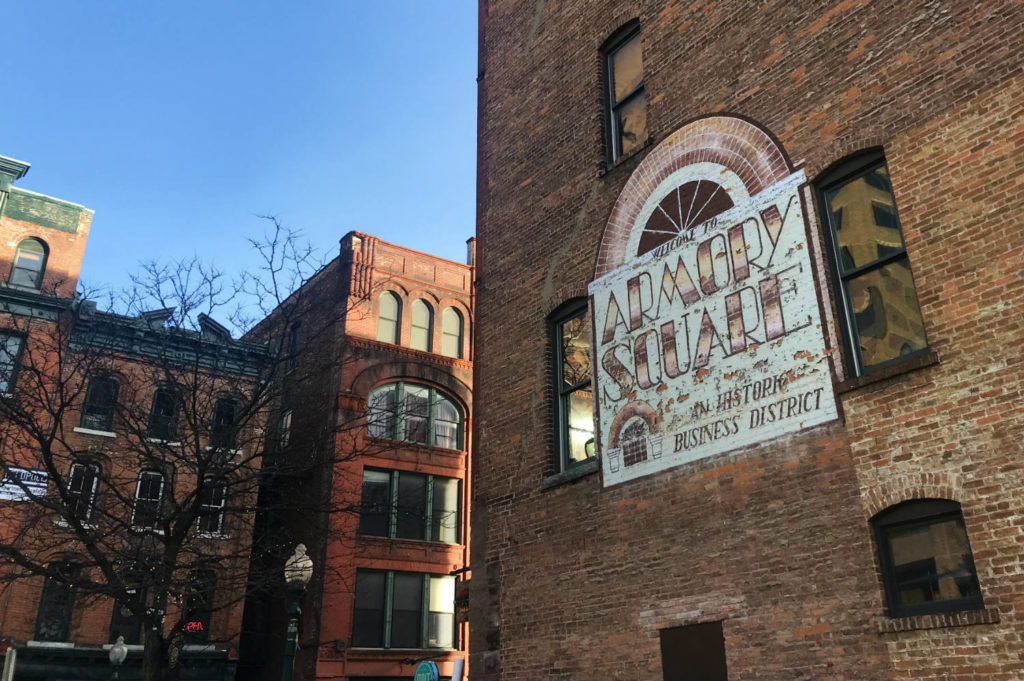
(451, 333)
(389, 318)
(422, 331)
(29, 264)
(687, 206)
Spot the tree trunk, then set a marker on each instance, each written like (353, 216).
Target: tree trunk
(156, 666)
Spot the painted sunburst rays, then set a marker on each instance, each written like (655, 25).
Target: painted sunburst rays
(688, 205)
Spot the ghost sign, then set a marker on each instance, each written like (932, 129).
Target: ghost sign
(18, 484)
(710, 339)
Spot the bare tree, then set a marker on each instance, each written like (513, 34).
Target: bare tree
(156, 431)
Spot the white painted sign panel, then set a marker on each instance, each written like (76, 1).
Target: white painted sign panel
(32, 481)
(710, 341)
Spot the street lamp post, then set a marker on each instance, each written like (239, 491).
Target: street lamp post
(297, 572)
(118, 653)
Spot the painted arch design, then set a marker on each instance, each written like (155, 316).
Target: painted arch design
(702, 169)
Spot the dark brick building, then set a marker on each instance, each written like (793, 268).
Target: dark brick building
(748, 362)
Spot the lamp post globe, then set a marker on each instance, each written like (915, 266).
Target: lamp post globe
(118, 653)
(298, 570)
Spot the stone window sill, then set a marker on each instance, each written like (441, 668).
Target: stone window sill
(575, 473)
(894, 625)
(925, 359)
(92, 431)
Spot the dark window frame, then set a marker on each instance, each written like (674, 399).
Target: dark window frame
(97, 416)
(9, 369)
(212, 505)
(613, 107)
(914, 514)
(56, 604)
(839, 174)
(153, 515)
(224, 432)
(395, 506)
(398, 416)
(567, 312)
(384, 638)
(36, 275)
(76, 497)
(164, 426)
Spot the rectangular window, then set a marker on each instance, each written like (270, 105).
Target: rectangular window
(627, 105)
(100, 404)
(878, 307)
(693, 653)
(163, 416)
(284, 431)
(56, 604)
(149, 493)
(83, 481)
(198, 605)
(211, 510)
(122, 621)
(10, 358)
(574, 397)
(403, 610)
(404, 505)
(225, 413)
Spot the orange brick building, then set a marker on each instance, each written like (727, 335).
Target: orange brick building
(101, 431)
(755, 409)
(376, 419)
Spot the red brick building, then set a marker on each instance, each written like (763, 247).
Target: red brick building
(97, 455)
(375, 420)
(748, 375)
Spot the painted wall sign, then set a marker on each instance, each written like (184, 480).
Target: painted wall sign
(711, 338)
(32, 481)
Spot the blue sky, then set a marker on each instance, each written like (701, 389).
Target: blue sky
(179, 123)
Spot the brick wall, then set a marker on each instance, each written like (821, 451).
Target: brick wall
(574, 580)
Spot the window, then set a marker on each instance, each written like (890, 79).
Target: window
(29, 264)
(878, 308)
(403, 610)
(83, 482)
(926, 560)
(422, 326)
(284, 431)
(574, 406)
(451, 333)
(211, 507)
(405, 505)
(695, 652)
(163, 417)
(10, 358)
(389, 318)
(225, 413)
(149, 493)
(198, 605)
(100, 403)
(57, 602)
(626, 104)
(294, 345)
(414, 413)
(123, 621)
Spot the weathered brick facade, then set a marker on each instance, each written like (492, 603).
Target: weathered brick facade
(573, 579)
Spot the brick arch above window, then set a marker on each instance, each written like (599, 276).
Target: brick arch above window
(728, 144)
(414, 372)
(910, 486)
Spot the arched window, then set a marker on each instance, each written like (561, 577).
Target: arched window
(163, 417)
(83, 482)
(926, 559)
(451, 333)
(389, 318)
(422, 326)
(414, 413)
(225, 423)
(100, 404)
(29, 263)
